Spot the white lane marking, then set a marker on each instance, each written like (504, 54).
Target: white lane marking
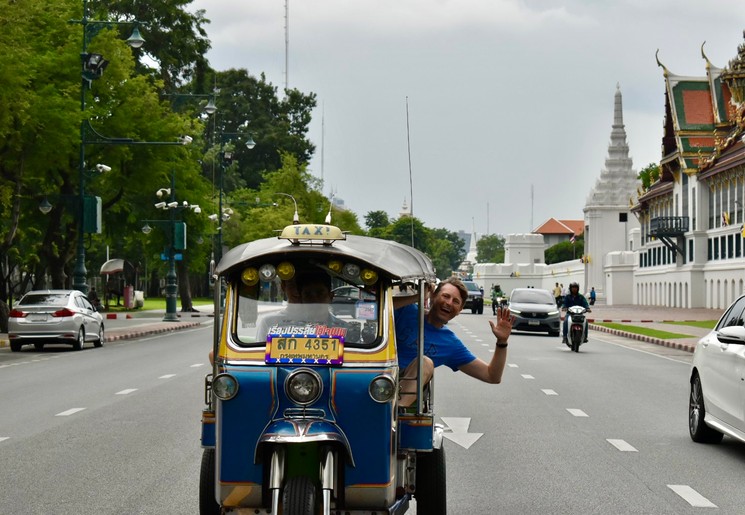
(549, 392)
(197, 365)
(512, 365)
(644, 351)
(577, 412)
(3, 438)
(691, 496)
(69, 412)
(527, 376)
(459, 434)
(478, 340)
(621, 445)
(484, 344)
(167, 376)
(127, 391)
(28, 362)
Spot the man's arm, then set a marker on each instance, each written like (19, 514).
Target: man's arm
(492, 372)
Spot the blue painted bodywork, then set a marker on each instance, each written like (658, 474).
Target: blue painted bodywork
(344, 415)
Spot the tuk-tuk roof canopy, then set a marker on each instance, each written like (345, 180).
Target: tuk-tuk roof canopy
(398, 261)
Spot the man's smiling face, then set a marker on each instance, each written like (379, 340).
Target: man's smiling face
(446, 305)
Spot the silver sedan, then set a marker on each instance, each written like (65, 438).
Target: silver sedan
(54, 316)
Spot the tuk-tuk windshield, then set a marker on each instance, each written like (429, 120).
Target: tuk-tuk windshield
(312, 302)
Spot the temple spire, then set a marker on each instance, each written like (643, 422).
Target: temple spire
(618, 110)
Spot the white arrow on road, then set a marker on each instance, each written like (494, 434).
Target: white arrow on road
(458, 427)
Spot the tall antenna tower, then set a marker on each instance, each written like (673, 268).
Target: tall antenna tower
(531, 209)
(287, 44)
(323, 136)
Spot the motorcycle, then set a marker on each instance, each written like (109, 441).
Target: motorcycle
(499, 302)
(577, 326)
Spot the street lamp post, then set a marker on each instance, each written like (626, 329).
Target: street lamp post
(93, 66)
(226, 158)
(176, 241)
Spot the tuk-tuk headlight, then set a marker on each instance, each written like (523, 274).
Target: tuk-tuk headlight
(335, 265)
(351, 270)
(225, 386)
(382, 389)
(303, 386)
(267, 273)
(285, 270)
(250, 276)
(368, 276)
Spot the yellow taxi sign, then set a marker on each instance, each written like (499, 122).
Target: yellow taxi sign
(312, 232)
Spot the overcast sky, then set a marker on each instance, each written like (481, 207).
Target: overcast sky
(504, 96)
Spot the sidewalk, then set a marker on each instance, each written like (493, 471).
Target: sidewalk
(654, 317)
(140, 324)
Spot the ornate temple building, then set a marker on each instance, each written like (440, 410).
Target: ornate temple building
(691, 213)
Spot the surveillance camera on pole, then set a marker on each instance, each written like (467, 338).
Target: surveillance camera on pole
(103, 168)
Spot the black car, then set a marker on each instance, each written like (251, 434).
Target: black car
(535, 310)
(475, 301)
(346, 298)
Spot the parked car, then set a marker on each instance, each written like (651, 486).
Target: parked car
(346, 298)
(717, 397)
(475, 301)
(535, 309)
(54, 316)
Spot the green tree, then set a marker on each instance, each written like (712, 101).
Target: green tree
(565, 251)
(447, 251)
(649, 175)
(377, 223)
(490, 249)
(39, 151)
(248, 105)
(175, 37)
(258, 213)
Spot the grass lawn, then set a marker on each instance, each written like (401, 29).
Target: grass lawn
(646, 331)
(154, 303)
(704, 324)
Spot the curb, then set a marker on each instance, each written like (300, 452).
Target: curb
(647, 339)
(155, 330)
(137, 333)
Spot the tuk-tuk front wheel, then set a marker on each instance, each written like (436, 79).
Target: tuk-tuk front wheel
(207, 502)
(299, 497)
(431, 483)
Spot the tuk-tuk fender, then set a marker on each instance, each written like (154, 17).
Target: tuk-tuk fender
(303, 431)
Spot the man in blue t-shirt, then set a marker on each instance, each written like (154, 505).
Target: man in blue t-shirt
(441, 345)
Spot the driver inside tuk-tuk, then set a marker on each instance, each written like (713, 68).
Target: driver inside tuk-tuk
(441, 345)
(309, 297)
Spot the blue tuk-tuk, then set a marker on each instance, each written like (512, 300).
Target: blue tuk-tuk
(302, 408)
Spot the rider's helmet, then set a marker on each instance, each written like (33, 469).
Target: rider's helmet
(574, 284)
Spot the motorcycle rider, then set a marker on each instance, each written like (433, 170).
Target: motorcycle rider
(573, 298)
(496, 297)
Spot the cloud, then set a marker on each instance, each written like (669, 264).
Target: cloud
(504, 95)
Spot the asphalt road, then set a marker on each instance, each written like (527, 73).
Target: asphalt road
(116, 430)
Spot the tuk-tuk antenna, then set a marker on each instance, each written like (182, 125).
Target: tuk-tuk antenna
(331, 203)
(295, 217)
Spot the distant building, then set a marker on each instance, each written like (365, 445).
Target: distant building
(405, 210)
(556, 231)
